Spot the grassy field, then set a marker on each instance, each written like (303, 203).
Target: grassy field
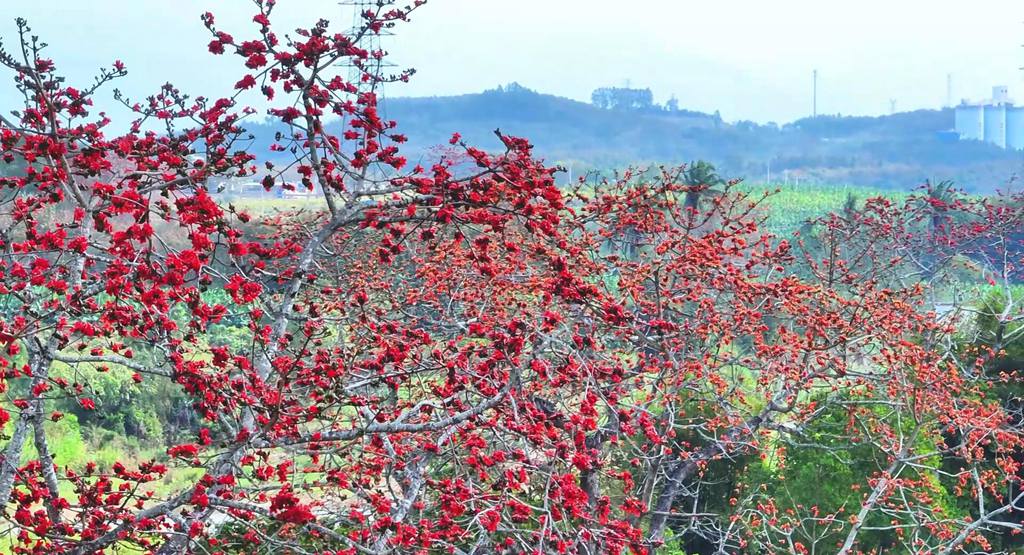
(792, 205)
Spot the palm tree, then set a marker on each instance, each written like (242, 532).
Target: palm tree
(850, 206)
(939, 198)
(700, 177)
(936, 203)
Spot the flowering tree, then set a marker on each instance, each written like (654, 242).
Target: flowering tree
(462, 357)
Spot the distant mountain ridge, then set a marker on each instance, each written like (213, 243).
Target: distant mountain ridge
(897, 151)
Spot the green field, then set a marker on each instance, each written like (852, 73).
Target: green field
(792, 205)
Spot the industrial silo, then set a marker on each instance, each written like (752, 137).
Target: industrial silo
(1015, 127)
(995, 125)
(970, 123)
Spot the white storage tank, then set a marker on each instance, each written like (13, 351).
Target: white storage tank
(995, 124)
(1015, 127)
(970, 123)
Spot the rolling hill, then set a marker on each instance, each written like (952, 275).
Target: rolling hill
(895, 151)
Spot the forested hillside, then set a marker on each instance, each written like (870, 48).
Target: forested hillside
(897, 151)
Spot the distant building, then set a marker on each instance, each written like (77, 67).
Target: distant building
(1001, 94)
(623, 98)
(296, 191)
(241, 187)
(994, 120)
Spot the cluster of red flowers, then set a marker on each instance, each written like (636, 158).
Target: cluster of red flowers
(464, 357)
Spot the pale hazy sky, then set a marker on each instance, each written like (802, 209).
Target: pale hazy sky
(750, 59)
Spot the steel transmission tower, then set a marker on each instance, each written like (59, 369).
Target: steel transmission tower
(368, 76)
(369, 41)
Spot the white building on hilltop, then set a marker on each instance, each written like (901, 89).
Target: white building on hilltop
(995, 120)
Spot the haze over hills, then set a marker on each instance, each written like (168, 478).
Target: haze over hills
(895, 151)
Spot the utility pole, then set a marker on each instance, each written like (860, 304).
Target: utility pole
(814, 105)
(949, 90)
